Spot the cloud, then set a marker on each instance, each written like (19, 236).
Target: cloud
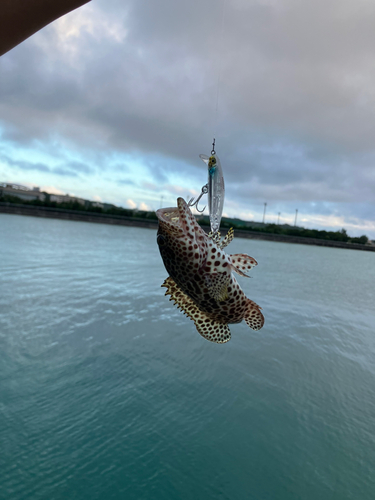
(64, 171)
(144, 207)
(24, 165)
(128, 93)
(70, 169)
(126, 181)
(131, 204)
(51, 189)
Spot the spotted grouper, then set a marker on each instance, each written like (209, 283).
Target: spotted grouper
(201, 281)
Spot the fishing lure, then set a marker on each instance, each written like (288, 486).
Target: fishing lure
(215, 189)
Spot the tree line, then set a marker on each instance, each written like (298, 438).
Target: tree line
(225, 223)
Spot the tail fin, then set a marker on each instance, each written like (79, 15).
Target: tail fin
(253, 317)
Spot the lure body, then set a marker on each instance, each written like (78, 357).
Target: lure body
(216, 190)
(201, 281)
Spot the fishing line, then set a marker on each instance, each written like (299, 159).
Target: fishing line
(214, 188)
(219, 70)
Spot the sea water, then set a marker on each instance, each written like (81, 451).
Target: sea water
(108, 392)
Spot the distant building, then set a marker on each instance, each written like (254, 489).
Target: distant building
(108, 206)
(22, 192)
(65, 198)
(28, 194)
(97, 204)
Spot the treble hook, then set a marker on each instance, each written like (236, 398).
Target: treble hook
(190, 202)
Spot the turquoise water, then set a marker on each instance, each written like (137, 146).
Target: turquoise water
(108, 392)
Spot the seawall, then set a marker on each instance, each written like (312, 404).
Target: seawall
(121, 220)
(75, 215)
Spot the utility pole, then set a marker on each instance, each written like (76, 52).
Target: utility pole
(161, 201)
(264, 212)
(278, 219)
(295, 220)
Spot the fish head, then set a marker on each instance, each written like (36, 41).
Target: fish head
(182, 242)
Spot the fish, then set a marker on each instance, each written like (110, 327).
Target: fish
(215, 190)
(201, 280)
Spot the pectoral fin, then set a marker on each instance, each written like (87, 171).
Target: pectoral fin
(209, 329)
(253, 317)
(242, 263)
(217, 284)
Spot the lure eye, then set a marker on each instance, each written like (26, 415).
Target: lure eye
(160, 240)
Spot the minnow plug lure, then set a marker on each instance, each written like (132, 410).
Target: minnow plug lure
(215, 189)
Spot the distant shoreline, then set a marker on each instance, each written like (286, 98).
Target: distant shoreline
(121, 220)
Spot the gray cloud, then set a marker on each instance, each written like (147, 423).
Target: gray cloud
(64, 172)
(24, 165)
(126, 182)
(70, 169)
(79, 167)
(296, 110)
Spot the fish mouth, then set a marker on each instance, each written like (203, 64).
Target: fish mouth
(172, 215)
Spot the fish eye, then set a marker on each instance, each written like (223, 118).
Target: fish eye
(160, 240)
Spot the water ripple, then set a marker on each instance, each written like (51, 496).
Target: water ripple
(107, 391)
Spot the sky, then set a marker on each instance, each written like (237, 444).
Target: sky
(115, 101)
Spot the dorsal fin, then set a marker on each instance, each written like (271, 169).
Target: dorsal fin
(242, 263)
(209, 329)
(228, 238)
(253, 317)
